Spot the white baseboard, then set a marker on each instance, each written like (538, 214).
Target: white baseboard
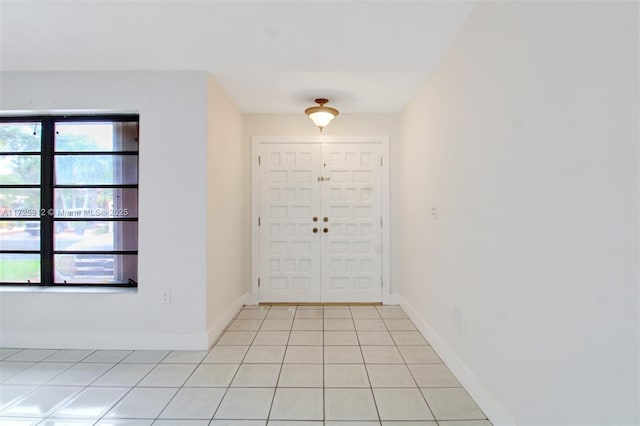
(495, 411)
(123, 341)
(216, 330)
(111, 341)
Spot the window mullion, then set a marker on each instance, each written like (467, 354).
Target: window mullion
(46, 191)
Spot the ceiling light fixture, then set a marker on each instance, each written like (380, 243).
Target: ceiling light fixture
(321, 115)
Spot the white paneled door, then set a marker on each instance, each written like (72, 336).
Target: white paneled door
(351, 240)
(289, 199)
(320, 213)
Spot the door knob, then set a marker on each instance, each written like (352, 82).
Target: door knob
(325, 219)
(325, 230)
(315, 230)
(315, 219)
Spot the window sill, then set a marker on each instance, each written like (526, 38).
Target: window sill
(74, 290)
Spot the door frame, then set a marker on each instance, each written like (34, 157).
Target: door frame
(257, 141)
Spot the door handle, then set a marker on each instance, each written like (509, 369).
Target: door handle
(325, 219)
(325, 230)
(315, 219)
(315, 230)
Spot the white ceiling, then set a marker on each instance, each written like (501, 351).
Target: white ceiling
(270, 56)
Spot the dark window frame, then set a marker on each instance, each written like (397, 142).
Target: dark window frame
(47, 187)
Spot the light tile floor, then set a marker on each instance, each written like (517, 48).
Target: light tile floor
(285, 366)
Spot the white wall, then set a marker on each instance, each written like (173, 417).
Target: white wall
(225, 227)
(526, 139)
(343, 125)
(172, 216)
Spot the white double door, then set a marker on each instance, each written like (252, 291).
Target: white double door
(320, 222)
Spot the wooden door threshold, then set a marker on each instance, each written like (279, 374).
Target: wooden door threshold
(320, 303)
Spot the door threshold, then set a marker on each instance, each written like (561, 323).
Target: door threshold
(320, 303)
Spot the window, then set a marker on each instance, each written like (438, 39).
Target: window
(69, 200)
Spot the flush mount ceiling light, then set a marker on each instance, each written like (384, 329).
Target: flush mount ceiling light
(321, 115)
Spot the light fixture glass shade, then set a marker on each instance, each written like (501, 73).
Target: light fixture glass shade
(321, 118)
(321, 115)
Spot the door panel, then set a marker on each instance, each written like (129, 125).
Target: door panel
(289, 250)
(351, 249)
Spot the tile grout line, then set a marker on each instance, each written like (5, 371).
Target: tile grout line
(324, 385)
(410, 372)
(228, 387)
(364, 363)
(131, 388)
(431, 387)
(157, 364)
(284, 355)
(71, 397)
